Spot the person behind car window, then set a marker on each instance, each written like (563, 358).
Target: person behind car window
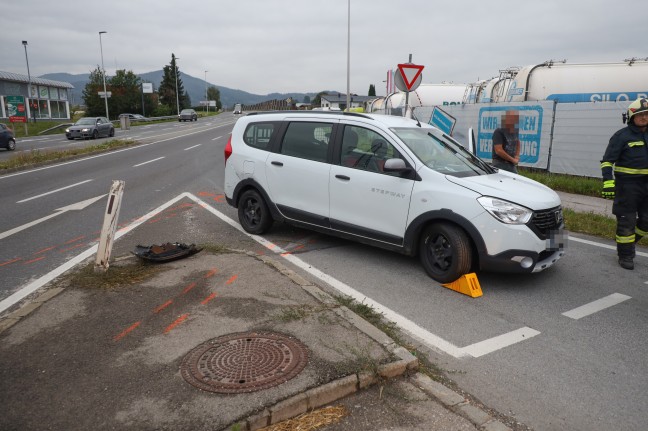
(625, 179)
(506, 143)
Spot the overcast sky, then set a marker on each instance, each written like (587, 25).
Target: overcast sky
(266, 46)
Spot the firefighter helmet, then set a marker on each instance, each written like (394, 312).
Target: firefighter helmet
(639, 105)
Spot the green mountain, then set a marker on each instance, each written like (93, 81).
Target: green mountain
(195, 87)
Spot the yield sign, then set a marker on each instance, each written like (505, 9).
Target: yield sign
(410, 73)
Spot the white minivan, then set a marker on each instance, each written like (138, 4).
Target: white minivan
(391, 182)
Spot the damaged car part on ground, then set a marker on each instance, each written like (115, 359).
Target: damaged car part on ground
(165, 252)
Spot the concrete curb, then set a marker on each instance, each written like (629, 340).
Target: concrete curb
(26, 309)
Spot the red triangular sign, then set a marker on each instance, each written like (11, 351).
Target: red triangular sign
(410, 73)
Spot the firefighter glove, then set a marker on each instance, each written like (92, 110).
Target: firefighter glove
(608, 189)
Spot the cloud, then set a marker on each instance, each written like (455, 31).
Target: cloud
(265, 46)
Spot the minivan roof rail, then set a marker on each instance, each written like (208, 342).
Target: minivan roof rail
(350, 114)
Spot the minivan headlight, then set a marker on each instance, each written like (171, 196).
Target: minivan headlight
(504, 211)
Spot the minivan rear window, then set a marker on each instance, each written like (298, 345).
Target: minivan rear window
(307, 140)
(259, 135)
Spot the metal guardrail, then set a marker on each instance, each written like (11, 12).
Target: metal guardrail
(166, 117)
(54, 128)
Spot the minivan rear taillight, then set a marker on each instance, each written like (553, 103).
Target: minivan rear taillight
(228, 149)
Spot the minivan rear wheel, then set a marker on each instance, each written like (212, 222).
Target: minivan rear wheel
(445, 252)
(253, 213)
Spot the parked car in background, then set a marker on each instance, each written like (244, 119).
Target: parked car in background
(7, 138)
(188, 115)
(134, 117)
(90, 127)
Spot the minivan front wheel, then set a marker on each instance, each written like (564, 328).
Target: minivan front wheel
(445, 252)
(253, 213)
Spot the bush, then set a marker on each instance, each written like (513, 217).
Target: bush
(164, 110)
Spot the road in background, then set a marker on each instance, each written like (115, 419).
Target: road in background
(172, 158)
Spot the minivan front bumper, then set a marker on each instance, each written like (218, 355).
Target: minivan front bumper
(525, 261)
(516, 248)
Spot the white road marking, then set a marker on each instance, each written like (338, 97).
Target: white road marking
(57, 212)
(216, 138)
(496, 343)
(150, 161)
(598, 244)
(42, 281)
(596, 306)
(53, 191)
(192, 147)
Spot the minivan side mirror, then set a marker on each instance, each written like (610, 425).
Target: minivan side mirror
(398, 165)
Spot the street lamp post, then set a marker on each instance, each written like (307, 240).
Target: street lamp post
(175, 64)
(24, 42)
(348, 98)
(206, 95)
(105, 95)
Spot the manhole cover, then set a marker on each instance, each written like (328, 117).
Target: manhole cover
(244, 362)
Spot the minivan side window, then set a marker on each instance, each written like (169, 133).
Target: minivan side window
(366, 150)
(258, 135)
(307, 140)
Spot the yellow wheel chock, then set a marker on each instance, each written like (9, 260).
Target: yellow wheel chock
(466, 284)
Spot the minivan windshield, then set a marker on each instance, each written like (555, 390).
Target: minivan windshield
(441, 153)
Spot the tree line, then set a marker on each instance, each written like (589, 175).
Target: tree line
(126, 94)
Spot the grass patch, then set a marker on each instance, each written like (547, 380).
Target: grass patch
(371, 316)
(361, 362)
(29, 158)
(390, 328)
(593, 224)
(38, 128)
(565, 183)
(117, 275)
(293, 313)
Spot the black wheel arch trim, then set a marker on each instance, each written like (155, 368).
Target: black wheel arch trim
(247, 184)
(415, 230)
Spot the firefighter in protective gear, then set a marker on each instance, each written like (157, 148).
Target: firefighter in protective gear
(625, 179)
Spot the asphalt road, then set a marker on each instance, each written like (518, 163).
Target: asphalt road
(163, 167)
(526, 347)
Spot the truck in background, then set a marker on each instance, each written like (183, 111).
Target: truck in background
(564, 83)
(237, 109)
(443, 94)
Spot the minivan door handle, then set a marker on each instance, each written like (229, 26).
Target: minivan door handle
(343, 177)
(277, 163)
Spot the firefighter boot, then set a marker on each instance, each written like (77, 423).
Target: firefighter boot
(626, 262)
